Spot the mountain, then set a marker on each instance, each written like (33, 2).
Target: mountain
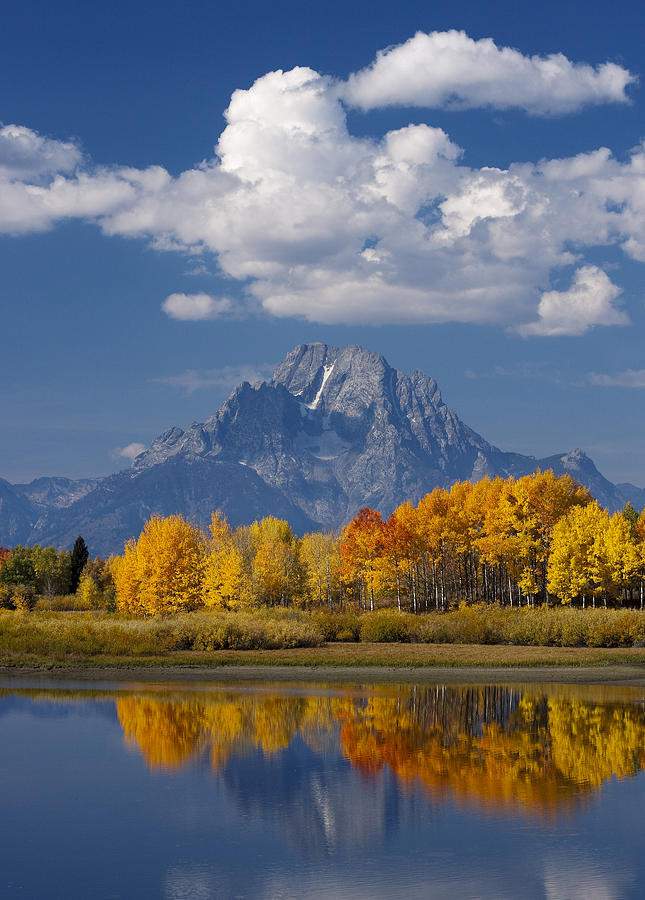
(58, 492)
(17, 515)
(335, 429)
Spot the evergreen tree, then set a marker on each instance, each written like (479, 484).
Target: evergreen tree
(80, 556)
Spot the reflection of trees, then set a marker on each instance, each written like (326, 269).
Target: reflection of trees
(524, 747)
(592, 743)
(499, 746)
(170, 732)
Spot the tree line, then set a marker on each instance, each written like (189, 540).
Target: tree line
(534, 540)
(531, 540)
(28, 572)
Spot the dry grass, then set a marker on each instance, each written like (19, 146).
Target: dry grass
(391, 655)
(481, 637)
(62, 634)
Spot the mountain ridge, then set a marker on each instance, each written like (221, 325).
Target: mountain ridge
(334, 429)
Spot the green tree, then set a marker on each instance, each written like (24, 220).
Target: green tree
(19, 567)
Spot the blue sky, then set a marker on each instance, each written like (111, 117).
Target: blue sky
(488, 240)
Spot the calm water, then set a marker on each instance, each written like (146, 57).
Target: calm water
(222, 791)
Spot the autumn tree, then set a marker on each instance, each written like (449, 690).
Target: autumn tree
(319, 554)
(573, 561)
(223, 567)
(435, 511)
(162, 571)
(403, 546)
(362, 545)
(53, 571)
(617, 557)
(275, 561)
(96, 586)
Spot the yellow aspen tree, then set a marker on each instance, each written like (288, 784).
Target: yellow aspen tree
(573, 568)
(617, 556)
(403, 555)
(162, 572)
(275, 563)
(320, 560)
(434, 512)
(499, 541)
(89, 591)
(639, 537)
(223, 567)
(126, 577)
(484, 499)
(521, 525)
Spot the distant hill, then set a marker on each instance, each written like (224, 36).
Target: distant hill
(335, 429)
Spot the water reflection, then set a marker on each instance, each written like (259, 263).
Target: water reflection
(525, 748)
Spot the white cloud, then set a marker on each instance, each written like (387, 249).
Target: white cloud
(196, 307)
(451, 70)
(224, 378)
(630, 378)
(129, 451)
(24, 154)
(318, 223)
(589, 301)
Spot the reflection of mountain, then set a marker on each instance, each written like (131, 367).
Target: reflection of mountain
(318, 803)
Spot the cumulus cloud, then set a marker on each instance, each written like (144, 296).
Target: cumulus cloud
(448, 69)
(225, 378)
(589, 301)
(630, 378)
(196, 307)
(318, 223)
(129, 451)
(24, 154)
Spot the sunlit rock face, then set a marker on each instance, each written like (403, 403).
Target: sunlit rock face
(335, 429)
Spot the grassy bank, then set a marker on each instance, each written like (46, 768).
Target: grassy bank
(287, 637)
(363, 656)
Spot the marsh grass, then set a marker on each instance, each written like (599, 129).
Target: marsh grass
(539, 627)
(59, 635)
(62, 603)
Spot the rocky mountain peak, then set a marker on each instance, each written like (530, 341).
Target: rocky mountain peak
(323, 377)
(335, 429)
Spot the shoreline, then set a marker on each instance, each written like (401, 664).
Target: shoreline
(618, 676)
(384, 663)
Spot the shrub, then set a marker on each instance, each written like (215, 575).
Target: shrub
(338, 626)
(62, 603)
(22, 597)
(101, 633)
(5, 596)
(386, 626)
